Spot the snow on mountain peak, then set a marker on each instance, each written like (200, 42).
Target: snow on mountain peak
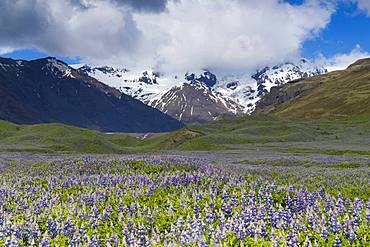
(280, 74)
(205, 76)
(55, 64)
(142, 84)
(55, 67)
(196, 102)
(237, 91)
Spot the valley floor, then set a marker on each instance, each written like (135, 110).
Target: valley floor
(220, 157)
(256, 182)
(234, 198)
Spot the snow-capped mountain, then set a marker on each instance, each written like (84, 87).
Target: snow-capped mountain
(47, 90)
(144, 85)
(247, 89)
(205, 77)
(278, 75)
(196, 103)
(168, 92)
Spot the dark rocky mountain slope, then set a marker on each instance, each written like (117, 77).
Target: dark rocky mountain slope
(196, 103)
(49, 91)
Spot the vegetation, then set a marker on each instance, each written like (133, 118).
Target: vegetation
(183, 202)
(348, 136)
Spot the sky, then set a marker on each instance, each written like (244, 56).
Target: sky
(185, 35)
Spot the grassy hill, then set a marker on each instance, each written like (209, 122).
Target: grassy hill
(288, 135)
(336, 94)
(342, 136)
(64, 138)
(57, 137)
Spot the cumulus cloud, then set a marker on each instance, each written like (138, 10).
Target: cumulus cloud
(173, 35)
(5, 50)
(363, 5)
(96, 29)
(138, 5)
(20, 20)
(342, 61)
(145, 5)
(232, 34)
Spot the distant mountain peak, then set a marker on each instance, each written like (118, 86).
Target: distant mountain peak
(195, 102)
(51, 61)
(205, 76)
(244, 89)
(149, 77)
(49, 91)
(280, 74)
(87, 69)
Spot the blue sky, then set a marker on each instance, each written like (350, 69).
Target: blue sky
(29, 54)
(349, 27)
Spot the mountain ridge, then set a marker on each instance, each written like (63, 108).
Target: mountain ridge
(241, 90)
(48, 90)
(339, 93)
(196, 103)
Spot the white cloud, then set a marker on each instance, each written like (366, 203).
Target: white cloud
(363, 5)
(189, 34)
(103, 30)
(6, 50)
(342, 61)
(235, 34)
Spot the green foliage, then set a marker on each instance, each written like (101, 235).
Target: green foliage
(166, 201)
(246, 133)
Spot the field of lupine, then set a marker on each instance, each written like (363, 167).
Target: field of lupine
(183, 202)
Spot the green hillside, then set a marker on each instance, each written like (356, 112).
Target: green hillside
(57, 137)
(64, 138)
(287, 135)
(342, 136)
(336, 94)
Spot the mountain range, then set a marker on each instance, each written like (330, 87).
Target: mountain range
(49, 91)
(201, 96)
(119, 100)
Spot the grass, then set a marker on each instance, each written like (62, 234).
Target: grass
(328, 151)
(58, 138)
(279, 133)
(286, 135)
(45, 138)
(303, 164)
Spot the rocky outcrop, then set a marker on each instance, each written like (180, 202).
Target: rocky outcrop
(283, 94)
